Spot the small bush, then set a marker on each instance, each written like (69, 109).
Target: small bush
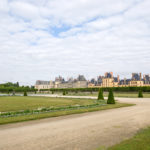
(25, 93)
(27, 111)
(100, 94)
(64, 92)
(140, 95)
(111, 99)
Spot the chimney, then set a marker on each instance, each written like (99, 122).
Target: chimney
(140, 76)
(111, 74)
(118, 78)
(125, 81)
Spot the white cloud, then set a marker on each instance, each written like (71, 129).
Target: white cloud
(42, 39)
(4, 6)
(24, 10)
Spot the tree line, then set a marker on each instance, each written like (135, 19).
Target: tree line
(10, 87)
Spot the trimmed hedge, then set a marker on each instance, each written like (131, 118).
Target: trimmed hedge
(115, 89)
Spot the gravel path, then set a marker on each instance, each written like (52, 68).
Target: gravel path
(78, 132)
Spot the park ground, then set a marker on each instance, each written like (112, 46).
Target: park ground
(100, 129)
(28, 103)
(116, 94)
(92, 94)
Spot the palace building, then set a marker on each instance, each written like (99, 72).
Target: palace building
(108, 80)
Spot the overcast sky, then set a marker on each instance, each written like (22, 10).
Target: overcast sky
(41, 39)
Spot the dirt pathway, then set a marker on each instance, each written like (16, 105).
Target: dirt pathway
(78, 132)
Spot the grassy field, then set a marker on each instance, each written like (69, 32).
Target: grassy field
(141, 141)
(59, 113)
(22, 103)
(116, 94)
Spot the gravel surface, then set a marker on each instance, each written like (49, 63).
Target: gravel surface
(80, 131)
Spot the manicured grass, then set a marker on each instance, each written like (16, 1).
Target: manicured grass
(116, 94)
(59, 113)
(141, 141)
(15, 103)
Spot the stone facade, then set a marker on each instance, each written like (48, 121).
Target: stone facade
(136, 83)
(108, 80)
(44, 84)
(59, 82)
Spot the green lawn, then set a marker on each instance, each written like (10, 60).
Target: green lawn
(22, 103)
(116, 94)
(17, 103)
(59, 113)
(141, 141)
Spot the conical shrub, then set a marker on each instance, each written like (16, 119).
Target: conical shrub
(64, 92)
(25, 93)
(140, 95)
(100, 95)
(111, 99)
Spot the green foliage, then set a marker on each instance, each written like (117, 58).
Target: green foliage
(140, 95)
(10, 84)
(96, 89)
(76, 91)
(111, 99)
(25, 93)
(100, 94)
(64, 92)
(16, 89)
